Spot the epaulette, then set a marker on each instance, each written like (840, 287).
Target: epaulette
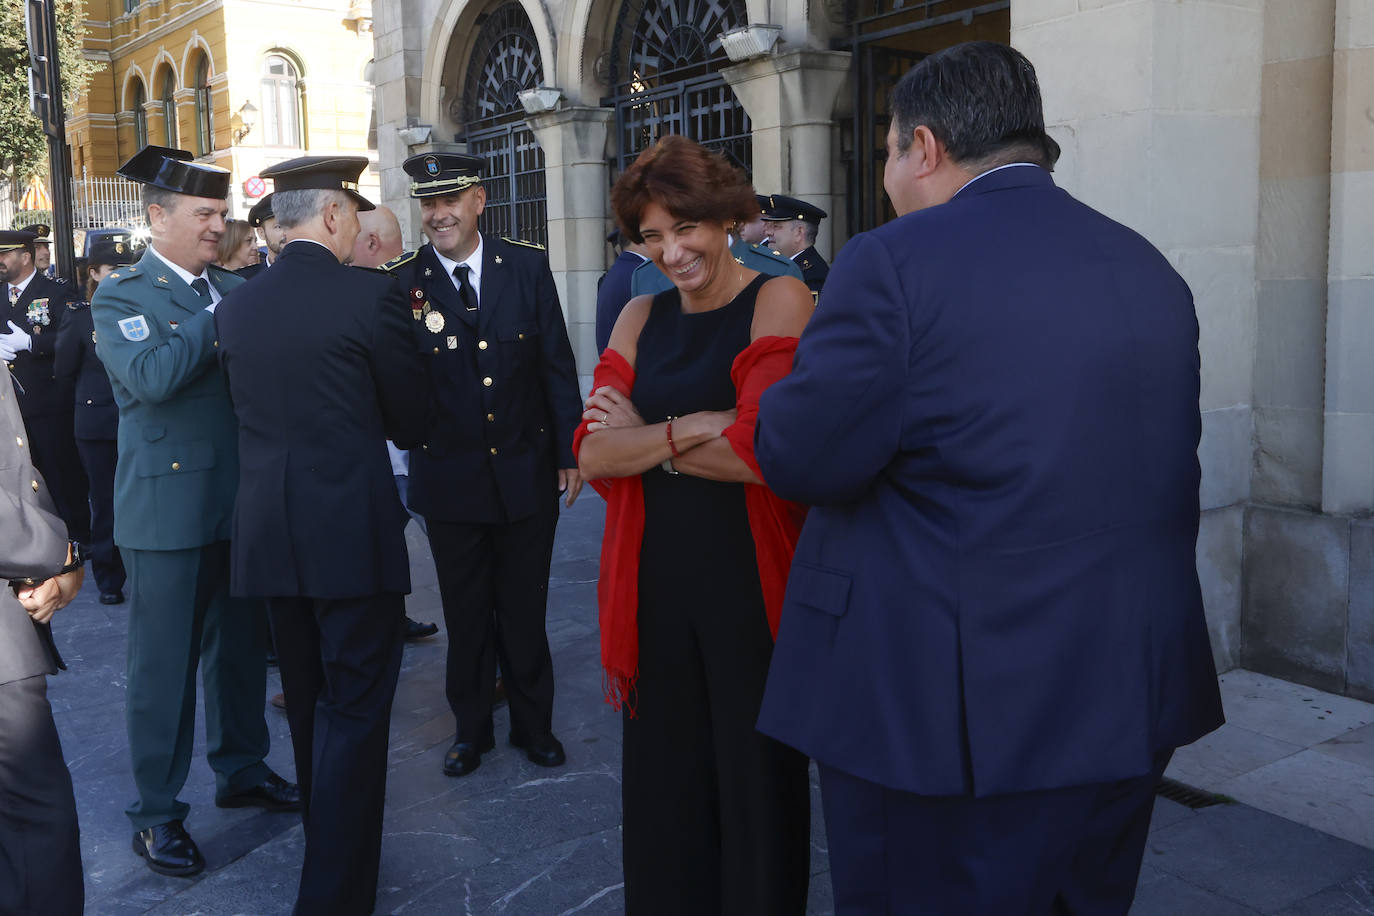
(371, 270)
(77, 305)
(535, 245)
(761, 250)
(400, 260)
(224, 270)
(123, 273)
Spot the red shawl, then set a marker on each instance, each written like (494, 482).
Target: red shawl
(774, 523)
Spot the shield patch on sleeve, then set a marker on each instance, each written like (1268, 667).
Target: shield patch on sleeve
(135, 328)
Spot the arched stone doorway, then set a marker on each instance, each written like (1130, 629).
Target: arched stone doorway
(887, 37)
(504, 62)
(665, 77)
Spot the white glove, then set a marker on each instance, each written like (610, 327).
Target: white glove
(18, 339)
(6, 354)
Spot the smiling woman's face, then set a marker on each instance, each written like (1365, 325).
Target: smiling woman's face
(689, 252)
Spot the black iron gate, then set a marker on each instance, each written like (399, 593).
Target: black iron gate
(505, 61)
(887, 38)
(665, 74)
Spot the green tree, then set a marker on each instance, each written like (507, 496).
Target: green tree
(23, 148)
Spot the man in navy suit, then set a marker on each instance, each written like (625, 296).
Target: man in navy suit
(993, 637)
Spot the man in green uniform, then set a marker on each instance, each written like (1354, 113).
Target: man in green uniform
(174, 497)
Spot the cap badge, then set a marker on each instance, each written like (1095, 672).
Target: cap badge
(119, 247)
(431, 166)
(435, 322)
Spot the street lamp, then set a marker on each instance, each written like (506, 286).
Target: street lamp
(248, 118)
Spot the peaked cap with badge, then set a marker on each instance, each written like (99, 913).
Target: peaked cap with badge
(42, 230)
(111, 252)
(261, 212)
(320, 173)
(437, 174)
(12, 239)
(781, 208)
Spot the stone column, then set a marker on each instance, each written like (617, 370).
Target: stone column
(576, 179)
(398, 35)
(1348, 451)
(1164, 136)
(791, 99)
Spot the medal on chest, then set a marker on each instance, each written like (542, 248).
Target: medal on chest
(435, 322)
(38, 313)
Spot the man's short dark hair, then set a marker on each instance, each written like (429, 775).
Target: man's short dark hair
(981, 100)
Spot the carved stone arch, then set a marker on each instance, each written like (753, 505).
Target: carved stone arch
(451, 44)
(126, 99)
(163, 61)
(194, 43)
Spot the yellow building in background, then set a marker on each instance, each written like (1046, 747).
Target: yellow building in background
(241, 84)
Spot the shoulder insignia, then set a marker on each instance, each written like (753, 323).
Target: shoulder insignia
(739, 260)
(223, 270)
(162, 279)
(805, 264)
(522, 242)
(371, 270)
(400, 259)
(114, 276)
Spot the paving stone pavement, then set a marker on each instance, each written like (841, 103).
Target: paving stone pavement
(516, 839)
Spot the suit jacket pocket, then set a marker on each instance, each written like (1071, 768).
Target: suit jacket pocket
(825, 590)
(174, 458)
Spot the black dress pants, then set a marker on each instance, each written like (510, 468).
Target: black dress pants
(1073, 851)
(40, 845)
(339, 662)
(98, 457)
(494, 582)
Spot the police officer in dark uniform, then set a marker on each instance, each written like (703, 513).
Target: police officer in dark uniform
(175, 483)
(486, 315)
(97, 416)
(322, 368)
(792, 226)
(31, 312)
(261, 218)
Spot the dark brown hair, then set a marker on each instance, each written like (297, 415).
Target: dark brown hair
(686, 179)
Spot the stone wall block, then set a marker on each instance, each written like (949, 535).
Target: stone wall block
(1113, 44)
(1348, 462)
(1360, 641)
(1294, 224)
(1354, 24)
(1291, 343)
(1223, 285)
(1219, 551)
(1287, 468)
(1031, 12)
(1294, 29)
(1224, 453)
(1206, 57)
(1295, 130)
(1350, 335)
(1297, 580)
(1209, 199)
(1352, 223)
(1103, 150)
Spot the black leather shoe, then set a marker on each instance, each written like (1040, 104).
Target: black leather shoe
(169, 850)
(465, 756)
(545, 751)
(111, 597)
(273, 793)
(417, 630)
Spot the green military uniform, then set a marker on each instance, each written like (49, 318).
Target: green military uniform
(649, 280)
(174, 496)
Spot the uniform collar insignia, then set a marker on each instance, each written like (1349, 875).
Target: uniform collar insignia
(162, 279)
(497, 259)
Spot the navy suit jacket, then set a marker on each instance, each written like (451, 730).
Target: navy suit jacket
(322, 371)
(994, 412)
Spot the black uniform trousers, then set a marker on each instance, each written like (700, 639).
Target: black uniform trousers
(1074, 850)
(40, 845)
(494, 582)
(98, 457)
(340, 660)
(53, 447)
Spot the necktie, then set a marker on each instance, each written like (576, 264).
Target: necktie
(466, 294)
(202, 288)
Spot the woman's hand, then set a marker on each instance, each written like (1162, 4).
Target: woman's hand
(704, 424)
(607, 407)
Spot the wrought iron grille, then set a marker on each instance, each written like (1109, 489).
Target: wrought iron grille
(665, 74)
(505, 61)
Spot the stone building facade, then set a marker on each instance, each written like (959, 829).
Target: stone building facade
(1235, 134)
(240, 83)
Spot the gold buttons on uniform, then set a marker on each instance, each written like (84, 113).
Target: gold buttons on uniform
(521, 336)
(481, 344)
(34, 484)
(176, 465)
(436, 349)
(491, 418)
(487, 381)
(88, 401)
(19, 440)
(493, 450)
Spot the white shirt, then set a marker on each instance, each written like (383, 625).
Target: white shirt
(474, 263)
(187, 276)
(1009, 165)
(21, 286)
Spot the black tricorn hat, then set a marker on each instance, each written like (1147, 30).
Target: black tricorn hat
(112, 252)
(174, 170)
(320, 173)
(261, 212)
(10, 239)
(436, 174)
(780, 207)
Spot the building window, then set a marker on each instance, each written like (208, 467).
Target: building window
(140, 115)
(205, 127)
(129, 7)
(169, 108)
(369, 74)
(505, 60)
(281, 102)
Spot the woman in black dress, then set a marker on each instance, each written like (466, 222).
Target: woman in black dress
(696, 550)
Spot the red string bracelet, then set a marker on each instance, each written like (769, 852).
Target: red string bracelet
(671, 446)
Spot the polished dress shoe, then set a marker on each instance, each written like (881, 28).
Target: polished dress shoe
(465, 756)
(273, 793)
(545, 750)
(417, 630)
(115, 597)
(169, 850)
